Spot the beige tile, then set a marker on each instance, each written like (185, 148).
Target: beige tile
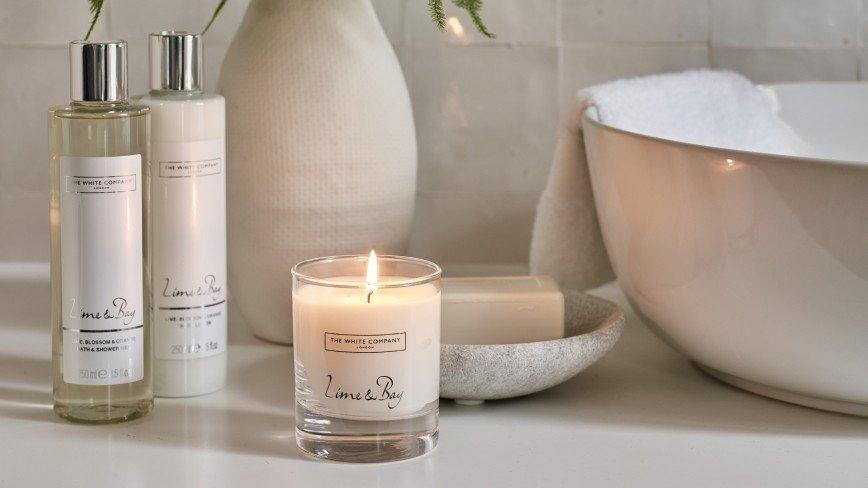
(863, 64)
(635, 21)
(37, 78)
(47, 21)
(136, 19)
(585, 66)
(769, 65)
(864, 23)
(391, 15)
(785, 22)
(137, 65)
(214, 56)
(24, 227)
(512, 21)
(133, 20)
(485, 117)
(223, 29)
(215, 51)
(473, 228)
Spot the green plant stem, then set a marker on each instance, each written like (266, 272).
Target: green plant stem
(217, 10)
(472, 7)
(95, 10)
(438, 15)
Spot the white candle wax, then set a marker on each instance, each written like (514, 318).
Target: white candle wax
(377, 360)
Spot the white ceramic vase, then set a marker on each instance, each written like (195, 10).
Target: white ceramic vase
(321, 148)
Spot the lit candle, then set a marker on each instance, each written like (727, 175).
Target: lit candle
(367, 349)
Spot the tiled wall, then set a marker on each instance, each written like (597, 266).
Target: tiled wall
(486, 110)
(34, 75)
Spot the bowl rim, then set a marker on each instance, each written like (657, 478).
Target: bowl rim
(589, 118)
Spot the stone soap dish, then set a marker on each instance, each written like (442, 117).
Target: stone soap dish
(470, 374)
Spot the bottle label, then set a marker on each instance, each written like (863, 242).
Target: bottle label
(101, 268)
(189, 254)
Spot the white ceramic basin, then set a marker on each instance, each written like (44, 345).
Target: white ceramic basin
(753, 265)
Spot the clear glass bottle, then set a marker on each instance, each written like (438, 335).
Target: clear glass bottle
(98, 211)
(188, 255)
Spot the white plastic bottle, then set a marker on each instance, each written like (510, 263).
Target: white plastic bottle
(188, 234)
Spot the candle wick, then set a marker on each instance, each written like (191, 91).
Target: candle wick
(369, 295)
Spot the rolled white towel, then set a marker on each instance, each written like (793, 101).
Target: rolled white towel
(714, 108)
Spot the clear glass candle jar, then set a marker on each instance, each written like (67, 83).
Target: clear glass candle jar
(367, 357)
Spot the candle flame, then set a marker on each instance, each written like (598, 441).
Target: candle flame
(371, 276)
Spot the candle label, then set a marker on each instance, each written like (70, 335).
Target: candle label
(382, 376)
(189, 258)
(366, 343)
(367, 361)
(101, 269)
(373, 376)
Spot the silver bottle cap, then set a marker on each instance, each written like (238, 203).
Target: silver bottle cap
(176, 61)
(98, 71)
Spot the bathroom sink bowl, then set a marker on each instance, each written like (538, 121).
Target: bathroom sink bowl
(753, 265)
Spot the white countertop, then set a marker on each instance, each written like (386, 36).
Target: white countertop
(642, 416)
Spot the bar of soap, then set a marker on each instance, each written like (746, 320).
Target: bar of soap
(501, 310)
